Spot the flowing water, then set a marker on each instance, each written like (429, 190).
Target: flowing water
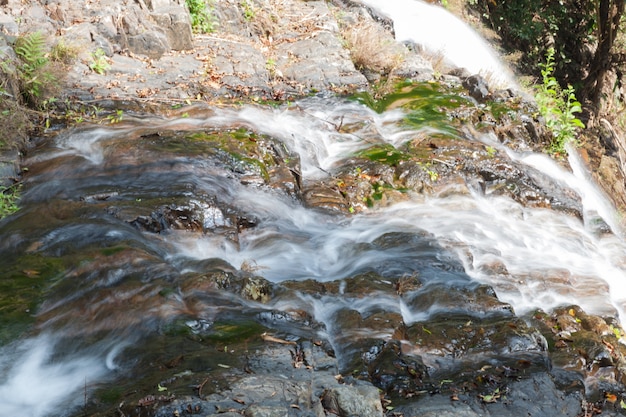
(96, 287)
(443, 34)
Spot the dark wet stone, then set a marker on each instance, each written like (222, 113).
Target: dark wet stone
(9, 167)
(324, 197)
(535, 396)
(394, 372)
(477, 87)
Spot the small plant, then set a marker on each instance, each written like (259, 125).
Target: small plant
(491, 151)
(33, 73)
(270, 66)
(248, 10)
(64, 53)
(558, 107)
(117, 117)
(8, 200)
(432, 175)
(47, 107)
(371, 47)
(99, 62)
(202, 19)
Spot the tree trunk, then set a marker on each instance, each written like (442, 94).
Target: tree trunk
(608, 20)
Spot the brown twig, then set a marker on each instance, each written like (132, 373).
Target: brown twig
(202, 386)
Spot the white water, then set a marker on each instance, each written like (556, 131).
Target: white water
(551, 259)
(545, 258)
(442, 33)
(36, 381)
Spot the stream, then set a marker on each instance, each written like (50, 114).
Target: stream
(159, 237)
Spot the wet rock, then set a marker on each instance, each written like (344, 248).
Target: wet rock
(435, 298)
(395, 373)
(256, 289)
(195, 216)
(9, 168)
(477, 87)
(534, 396)
(324, 197)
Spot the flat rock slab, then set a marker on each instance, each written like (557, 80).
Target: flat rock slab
(273, 50)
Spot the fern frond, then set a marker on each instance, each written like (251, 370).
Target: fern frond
(32, 50)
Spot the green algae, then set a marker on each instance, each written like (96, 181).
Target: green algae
(428, 105)
(235, 331)
(22, 287)
(384, 153)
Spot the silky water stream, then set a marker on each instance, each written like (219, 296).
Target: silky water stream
(101, 276)
(149, 255)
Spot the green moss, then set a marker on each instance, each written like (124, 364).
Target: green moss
(384, 153)
(113, 250)
(501, 109)
(235, 331)
(427, 104)
(8, 200)
(111, 395)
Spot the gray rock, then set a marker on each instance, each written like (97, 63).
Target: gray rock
(8, 24)
(177, 26)
(266, 411)
(151, 44)
(477, 87)
(353, 401)
(536, 396)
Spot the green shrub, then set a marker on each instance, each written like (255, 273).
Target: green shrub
(532, 26)
(202, 19)
(558, 107)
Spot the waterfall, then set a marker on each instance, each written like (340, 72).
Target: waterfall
(441, 33)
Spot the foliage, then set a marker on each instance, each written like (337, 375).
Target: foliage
(202, 19)
(558, 107)
(8, 200)
(533, 26)
(117, 117)
(99, 63)
(33, 70)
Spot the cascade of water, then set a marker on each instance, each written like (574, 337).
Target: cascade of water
(442, 33)
(532, 257)
(532, 244)
(548, 259)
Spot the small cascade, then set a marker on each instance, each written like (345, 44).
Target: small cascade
(408, 262)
